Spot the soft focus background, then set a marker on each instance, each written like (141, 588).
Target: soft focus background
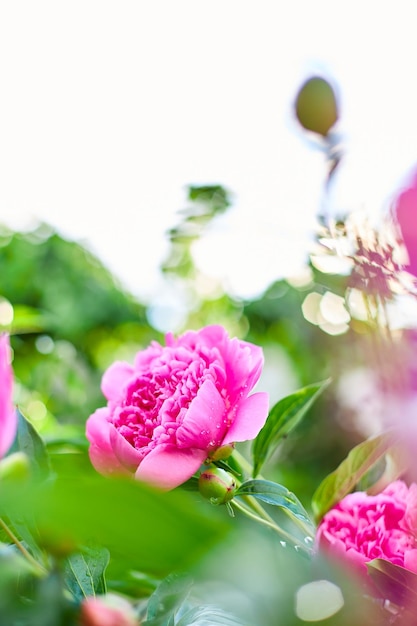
(153, 177)
(109, 110)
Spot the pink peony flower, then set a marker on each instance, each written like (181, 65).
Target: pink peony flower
(8, 417)
(363, 527)
(406, 214)
(176, 405)
(108, 610)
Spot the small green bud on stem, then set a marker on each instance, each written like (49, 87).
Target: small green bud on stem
(316, 106)
(217, 485)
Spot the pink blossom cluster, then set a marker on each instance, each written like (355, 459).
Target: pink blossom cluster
(364, 527)
(176, 405)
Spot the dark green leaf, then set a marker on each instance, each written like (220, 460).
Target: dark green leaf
(341, 482)
(84, 572)
(276, 495)
(167, 598)
(395, 583)
(22, 528)
(30, 443)
(282, 419)
(12, 565)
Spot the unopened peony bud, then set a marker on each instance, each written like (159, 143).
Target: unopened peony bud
(108, 610)
(217, 485)
(316, 106)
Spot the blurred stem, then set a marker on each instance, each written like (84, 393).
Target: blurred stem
(38, 568)
(388, 360)
(255, 511)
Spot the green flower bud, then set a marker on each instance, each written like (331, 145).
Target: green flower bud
(217, 485)
(222, 453)
(316, 106)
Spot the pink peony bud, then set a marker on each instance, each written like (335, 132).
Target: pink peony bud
(8, 416)
(108, 610)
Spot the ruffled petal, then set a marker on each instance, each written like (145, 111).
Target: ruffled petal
(410, 559)
(204, 423)
(243, 365)
(168, 467)
(101, 452)
(127, 455)
(249, 419)
(115, 379)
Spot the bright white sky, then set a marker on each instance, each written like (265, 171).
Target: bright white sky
(109, 109)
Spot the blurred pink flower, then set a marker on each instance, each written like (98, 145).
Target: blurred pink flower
(405, 211)
(176, 405)
(363, 527)
(8, 417)
(107, 610)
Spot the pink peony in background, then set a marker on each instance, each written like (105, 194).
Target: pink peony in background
(362, 527)
(176, 405)
(107, 610)
(8, 417)
(406, 215)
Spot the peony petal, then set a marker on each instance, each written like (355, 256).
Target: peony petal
(249, 419)
(203, 426)
(101, 452)
(213, 335)
(115, 379)
(168, 467)
(243, 366)
(410, 559)
(8, 415)
(128, 456)
(406, 213)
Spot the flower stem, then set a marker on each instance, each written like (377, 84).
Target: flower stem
(263, 518)
(256, 511)
(37, 566)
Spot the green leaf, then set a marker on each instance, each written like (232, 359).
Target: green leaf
(22, 528)
(284, 416)
(84, 572)
(394, 582)
(341, 482)
(167, 598)
(276, 495)
(208, 616)
(12, 565)
(144, 529)
(30, 443)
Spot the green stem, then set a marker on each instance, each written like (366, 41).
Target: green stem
(271, 524)
(38, 568)
(261, 515)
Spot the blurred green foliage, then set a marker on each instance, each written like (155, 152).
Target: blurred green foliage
(71, 320)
